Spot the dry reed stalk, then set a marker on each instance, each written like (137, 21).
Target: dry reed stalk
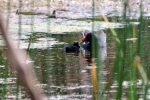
(141, 70)
(116, 39)
(18, 59)
(107, 21)
(94, 77)
(99, 8)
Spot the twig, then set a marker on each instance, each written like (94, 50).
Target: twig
(141, 70)
(28, 49)
(17, 58)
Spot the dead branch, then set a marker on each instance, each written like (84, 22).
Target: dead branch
(18, 59)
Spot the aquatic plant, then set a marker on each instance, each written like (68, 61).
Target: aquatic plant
(128, 45)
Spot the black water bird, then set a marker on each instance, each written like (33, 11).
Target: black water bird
(75, 48)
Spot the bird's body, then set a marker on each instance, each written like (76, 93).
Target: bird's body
(73, 48)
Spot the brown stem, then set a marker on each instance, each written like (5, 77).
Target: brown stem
(18, 59)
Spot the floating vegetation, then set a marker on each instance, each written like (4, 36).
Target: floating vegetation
(29, 13)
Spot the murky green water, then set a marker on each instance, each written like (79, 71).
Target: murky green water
(66, 76)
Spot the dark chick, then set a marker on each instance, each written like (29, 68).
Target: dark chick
(54, 14)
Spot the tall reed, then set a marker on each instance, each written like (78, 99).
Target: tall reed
(126, 50)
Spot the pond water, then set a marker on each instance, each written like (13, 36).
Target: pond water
(66, 76)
